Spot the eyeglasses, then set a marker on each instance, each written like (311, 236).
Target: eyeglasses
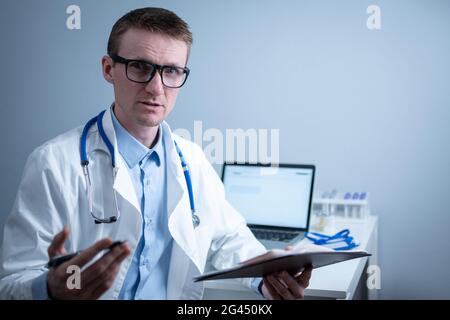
(143, 72)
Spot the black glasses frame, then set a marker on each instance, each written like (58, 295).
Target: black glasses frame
(155, 66)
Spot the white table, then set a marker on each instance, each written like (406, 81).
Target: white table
(345, 280)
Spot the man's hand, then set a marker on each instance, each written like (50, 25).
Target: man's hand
(95, 279)
(283, 286)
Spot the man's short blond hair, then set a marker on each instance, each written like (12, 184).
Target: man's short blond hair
(156, 20)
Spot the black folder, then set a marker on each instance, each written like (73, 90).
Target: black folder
(291, 262)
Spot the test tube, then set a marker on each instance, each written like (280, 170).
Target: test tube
(362, 197)
(332, 196)
(347, 196)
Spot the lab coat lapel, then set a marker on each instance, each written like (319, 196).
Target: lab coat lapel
(180, 218)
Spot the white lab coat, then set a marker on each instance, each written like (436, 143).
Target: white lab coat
(52, 194)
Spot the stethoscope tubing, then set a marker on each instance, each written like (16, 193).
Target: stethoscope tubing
(85, 165)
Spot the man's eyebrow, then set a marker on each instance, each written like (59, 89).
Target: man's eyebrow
(170, 64)
(142, 59)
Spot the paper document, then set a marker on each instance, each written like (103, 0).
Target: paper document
(293, 261)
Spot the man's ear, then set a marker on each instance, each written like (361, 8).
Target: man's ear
(107, 68)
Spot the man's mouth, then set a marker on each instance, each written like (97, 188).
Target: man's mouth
(151, 104)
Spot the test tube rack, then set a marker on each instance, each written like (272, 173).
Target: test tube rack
(353, 205)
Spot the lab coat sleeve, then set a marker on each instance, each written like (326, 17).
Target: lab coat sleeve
(232, 242)
(34, 220)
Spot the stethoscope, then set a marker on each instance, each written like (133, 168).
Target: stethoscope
(85, 166)
(341, 236)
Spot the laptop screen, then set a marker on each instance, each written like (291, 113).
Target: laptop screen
(270, 196)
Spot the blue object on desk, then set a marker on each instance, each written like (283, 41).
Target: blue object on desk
(341, 237)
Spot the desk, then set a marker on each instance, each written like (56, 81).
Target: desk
(345, 280)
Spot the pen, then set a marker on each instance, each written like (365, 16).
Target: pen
(58, 260)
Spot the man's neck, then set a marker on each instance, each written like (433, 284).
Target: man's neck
(148, 136)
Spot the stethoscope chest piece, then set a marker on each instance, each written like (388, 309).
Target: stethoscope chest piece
(195, 220)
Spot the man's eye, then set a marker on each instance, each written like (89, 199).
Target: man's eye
(139, 66)
(172, 71)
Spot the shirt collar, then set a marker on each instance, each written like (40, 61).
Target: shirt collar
(131, 149)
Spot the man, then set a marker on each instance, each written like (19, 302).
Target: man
(138, 181)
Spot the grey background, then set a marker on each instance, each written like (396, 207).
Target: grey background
(369, 108)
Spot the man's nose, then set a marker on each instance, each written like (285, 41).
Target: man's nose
(155, 86)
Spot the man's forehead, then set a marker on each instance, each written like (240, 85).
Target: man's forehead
(146, 45)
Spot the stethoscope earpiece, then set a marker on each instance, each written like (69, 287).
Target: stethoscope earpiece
(109, 220)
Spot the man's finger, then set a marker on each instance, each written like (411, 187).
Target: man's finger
(57, 245)
(280, 288)
(104, 281)
(108, 261)
(295, 286)
(304, 277)
(104, 286)
(273, 293)
(88, 254)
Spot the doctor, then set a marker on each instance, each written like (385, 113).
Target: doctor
(123, 177)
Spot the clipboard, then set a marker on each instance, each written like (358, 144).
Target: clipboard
(279, 261)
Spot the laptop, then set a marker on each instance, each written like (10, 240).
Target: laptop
(275, 201)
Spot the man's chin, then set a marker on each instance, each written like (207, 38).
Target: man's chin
(150, 121)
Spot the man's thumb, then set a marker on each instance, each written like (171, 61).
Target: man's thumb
(57, 246)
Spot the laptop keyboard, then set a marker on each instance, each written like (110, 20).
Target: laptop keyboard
(274, 235)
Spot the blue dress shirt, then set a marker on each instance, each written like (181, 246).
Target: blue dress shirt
(147, 274)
